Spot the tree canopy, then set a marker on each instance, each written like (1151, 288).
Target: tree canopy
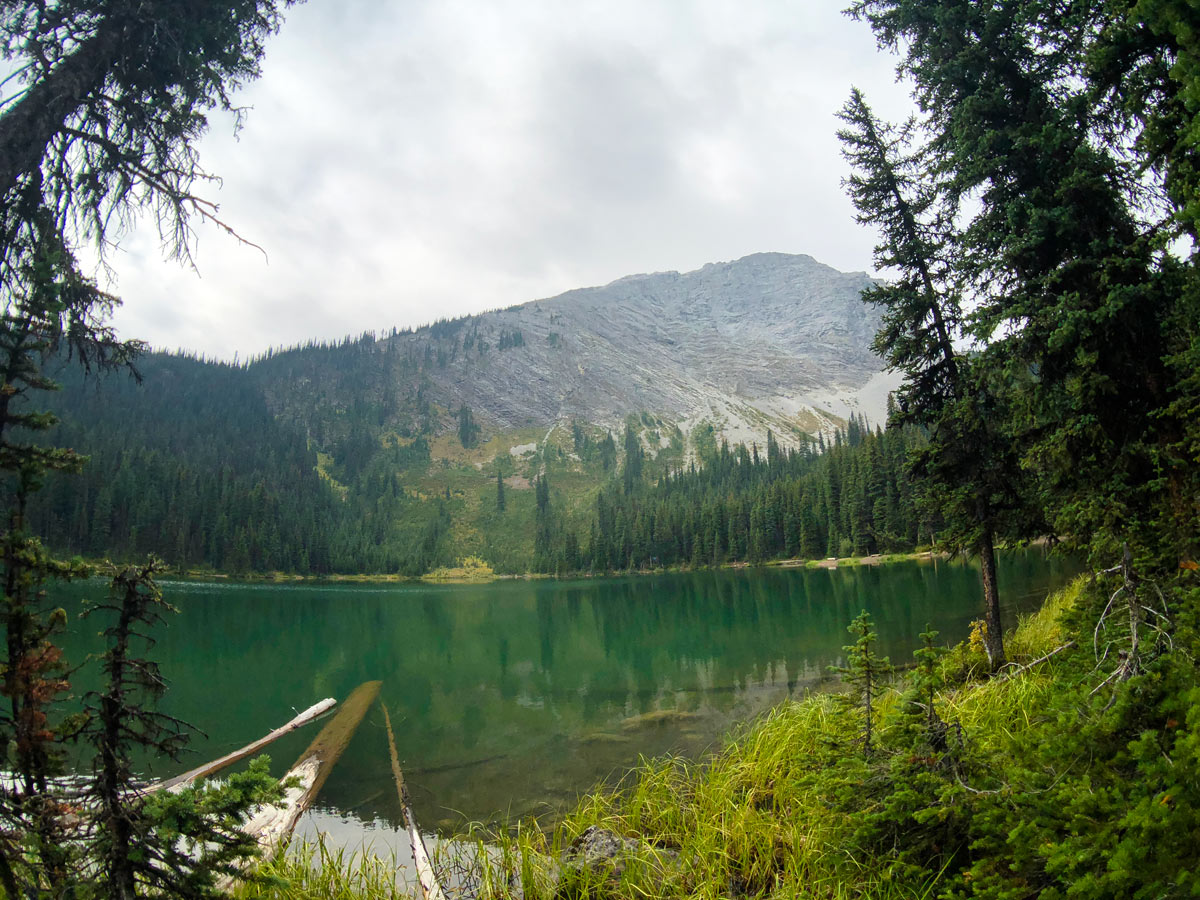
(109, 100)
(1045, 129)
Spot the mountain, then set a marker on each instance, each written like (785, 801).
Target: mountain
(770, 341)
(498, 435)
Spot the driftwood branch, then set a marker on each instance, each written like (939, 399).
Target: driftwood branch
(1100, 623)
(425, 874)
(270, 825)
(1037, 662)
(179, 782)
(1132, 587)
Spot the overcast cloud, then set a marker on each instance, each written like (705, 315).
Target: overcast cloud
(408, 161)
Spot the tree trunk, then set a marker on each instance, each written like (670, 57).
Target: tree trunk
(994, 640)
(431, 888)
(118, 873)
(867, 703)
(270, 825)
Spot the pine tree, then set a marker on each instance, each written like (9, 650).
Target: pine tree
(926, 682)
(143, 844)
(632, 472)
(113, 97)
(468, 430)
(543, 537)
(1077, 297)
(864, 672)
(59, 310)
(969, 465)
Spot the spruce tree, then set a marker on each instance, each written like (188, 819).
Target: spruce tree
(468, 430)
(864, 671)
(968, 462)
(112, 99)
(632, 471)
(1077, 296)
(59, 311)
(169, 844)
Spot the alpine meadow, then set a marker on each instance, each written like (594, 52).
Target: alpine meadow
(588, 543)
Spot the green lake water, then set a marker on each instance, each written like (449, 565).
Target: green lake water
(512, 698)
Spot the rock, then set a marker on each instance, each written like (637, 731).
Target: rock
(657, 719)
(599, 849)
(602, 857)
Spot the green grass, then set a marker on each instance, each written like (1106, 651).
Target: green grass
(471, 570)
(312, 871)
(324, 469)
(504, 539)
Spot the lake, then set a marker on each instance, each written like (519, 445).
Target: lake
(512, 698)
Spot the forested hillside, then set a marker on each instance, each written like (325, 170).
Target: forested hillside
(191, 464)
(392, 453)
(853, 496)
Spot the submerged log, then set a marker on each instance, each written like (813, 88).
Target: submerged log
(270, 825)
(179, 782)
(425, 874)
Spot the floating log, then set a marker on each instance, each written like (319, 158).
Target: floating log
(270, 825)
(179, 782)
(425, 874)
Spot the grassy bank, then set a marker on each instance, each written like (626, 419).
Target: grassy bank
(313, 871)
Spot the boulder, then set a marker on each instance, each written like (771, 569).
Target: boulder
(601, 858)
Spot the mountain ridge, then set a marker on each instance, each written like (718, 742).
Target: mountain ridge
(769, 341)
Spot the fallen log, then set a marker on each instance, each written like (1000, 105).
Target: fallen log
(179, 782)
(425, 874)
(270, 825)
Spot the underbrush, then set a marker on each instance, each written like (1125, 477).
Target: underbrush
(471, 570)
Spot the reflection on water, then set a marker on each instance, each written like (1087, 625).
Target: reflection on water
(513, 697)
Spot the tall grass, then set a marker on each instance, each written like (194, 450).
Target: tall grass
(313, 871)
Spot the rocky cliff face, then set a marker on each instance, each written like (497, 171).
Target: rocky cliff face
(768, 341)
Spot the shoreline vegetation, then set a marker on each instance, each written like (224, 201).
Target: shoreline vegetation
(960, 796)
(476, 571)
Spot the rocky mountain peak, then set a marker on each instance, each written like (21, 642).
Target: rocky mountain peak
(769, 341)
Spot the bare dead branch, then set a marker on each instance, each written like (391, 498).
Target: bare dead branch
(1041, 659)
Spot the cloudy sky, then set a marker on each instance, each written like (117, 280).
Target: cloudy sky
(418, 159)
